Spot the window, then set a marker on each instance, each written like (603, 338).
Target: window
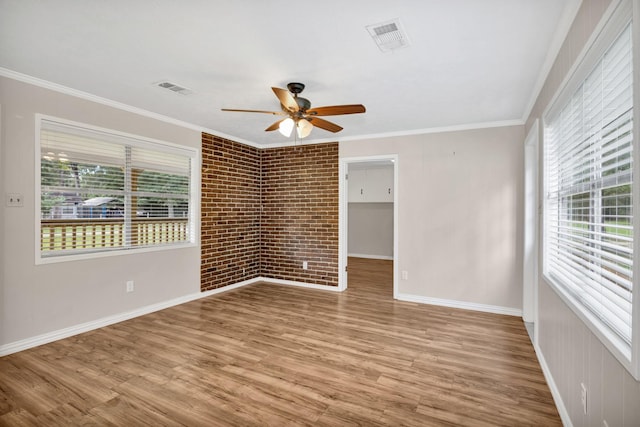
(103, 191)
(588, 217)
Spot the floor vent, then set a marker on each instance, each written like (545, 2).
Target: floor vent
(389, 35)
(174, 88)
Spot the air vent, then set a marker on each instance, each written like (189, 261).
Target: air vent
(174, 88)
(389, 35)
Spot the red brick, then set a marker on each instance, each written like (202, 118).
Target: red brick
(297, 188)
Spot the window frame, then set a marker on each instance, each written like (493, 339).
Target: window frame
(613, 23)
(134, 140)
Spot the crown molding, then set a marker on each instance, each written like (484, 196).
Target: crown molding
(4, 72)
(45, 84)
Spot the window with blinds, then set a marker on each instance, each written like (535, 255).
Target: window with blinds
(102, 191)
(588, 219)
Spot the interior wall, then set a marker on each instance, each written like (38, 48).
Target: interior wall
(2, 207)
(299, 219)
(38, 299)
(230, 213)
(370, 230)
(459, 213)
(572, 353)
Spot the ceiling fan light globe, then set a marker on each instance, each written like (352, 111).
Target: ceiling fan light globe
(303, 128)
(285, 127)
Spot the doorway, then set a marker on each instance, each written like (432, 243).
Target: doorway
(368, 221)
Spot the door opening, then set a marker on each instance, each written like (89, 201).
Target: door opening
(368, 219)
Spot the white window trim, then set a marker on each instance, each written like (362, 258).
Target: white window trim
(614, 20)
(194, 196)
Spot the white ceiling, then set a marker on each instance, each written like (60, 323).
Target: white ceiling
(470, 62)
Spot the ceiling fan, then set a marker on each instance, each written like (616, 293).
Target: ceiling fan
(300, 114)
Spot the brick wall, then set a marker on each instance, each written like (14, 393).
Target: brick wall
(298, 190)
(300, 213)
(230, 212)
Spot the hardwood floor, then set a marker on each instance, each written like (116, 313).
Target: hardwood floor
(370, 278)
(275, 355)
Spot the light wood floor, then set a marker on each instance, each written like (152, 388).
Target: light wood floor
(275, 355)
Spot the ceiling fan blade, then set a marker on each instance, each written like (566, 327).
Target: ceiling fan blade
(336, 110)
(324, 124)
(274, 126)
(286, 99)
(275, 113)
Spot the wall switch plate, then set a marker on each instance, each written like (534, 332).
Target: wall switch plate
(14, 200)
(405, 275)
(130, 286)
(305, 265)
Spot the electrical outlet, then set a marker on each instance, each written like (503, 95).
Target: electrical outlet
(130, 286)
(305, 265)
(14, 200)
(583, 397)
(405, 275)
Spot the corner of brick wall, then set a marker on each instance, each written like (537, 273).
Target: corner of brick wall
(297, 188)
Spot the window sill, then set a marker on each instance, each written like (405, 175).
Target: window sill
(40, 260)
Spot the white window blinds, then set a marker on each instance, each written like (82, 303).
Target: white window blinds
(102, 192)
(588, 177)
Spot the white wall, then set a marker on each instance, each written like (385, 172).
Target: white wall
(370, 230)
(38, 299)
(573, 354)
(459, 212)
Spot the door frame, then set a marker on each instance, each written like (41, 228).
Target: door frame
(531, 240)
(343, 219)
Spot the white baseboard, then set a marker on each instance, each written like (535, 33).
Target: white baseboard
(371, 256)
(59, 334)
(496, 309)
(27, 343)
(48, 337)
(228, 288)
(555, 392)
(300, 284)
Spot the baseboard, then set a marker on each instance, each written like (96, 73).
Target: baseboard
(229, 287)
(299, 284)
(555, 392)
(49, 337)
(371, 256)
(460, 304)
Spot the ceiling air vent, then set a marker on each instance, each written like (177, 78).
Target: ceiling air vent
(174, 88)
(388, 35)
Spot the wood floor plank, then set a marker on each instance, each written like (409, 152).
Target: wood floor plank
(270, 355)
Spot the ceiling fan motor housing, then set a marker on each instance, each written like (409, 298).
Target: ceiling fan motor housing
(295, 88)
(303, 103)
